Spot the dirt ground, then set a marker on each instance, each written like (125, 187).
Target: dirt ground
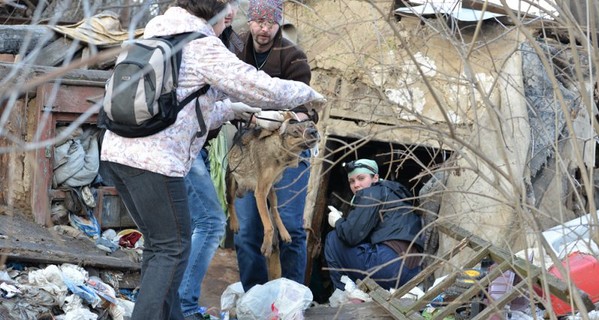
(222, 272)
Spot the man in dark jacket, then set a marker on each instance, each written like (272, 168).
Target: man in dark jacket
(382, 228)
(229, 37)
(267, 50)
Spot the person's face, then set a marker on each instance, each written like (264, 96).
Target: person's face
(219, 26)
(233, 8)
(263, 32)
(361, 181)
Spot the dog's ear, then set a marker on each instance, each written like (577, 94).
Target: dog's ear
(288, 115)
(283, 127)
(262, 133)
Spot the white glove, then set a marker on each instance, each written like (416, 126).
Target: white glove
(269, 120)
(334, 215)
(319, 98)
(242, 111)
(317, 103)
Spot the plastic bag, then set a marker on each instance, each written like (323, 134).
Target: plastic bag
(277, 299)
(350, 294)
(229, 298)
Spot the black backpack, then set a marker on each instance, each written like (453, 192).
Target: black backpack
(140, 97)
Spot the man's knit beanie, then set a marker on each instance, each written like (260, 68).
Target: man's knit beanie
(269, 10)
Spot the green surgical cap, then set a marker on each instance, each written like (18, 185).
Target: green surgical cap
(368, 167)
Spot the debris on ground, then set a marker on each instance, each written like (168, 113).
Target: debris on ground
(62, 292)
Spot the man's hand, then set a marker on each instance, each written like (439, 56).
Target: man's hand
(269, 120)
(319, 98)
(242, 111)
(334, 215)
(317, 103)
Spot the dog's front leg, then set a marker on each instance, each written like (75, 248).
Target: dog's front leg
(231, 195)
(260, 194)
(274, 208)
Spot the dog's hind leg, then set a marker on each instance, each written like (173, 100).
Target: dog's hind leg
(272, 198)
(274, 263)
(260, 194)
(274, 260)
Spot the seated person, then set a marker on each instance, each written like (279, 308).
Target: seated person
(379, 236)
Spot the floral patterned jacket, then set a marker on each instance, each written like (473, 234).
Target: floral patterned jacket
(205, 61)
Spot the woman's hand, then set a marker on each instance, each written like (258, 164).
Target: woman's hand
(242, 111)
(269, 120)
(334, 215)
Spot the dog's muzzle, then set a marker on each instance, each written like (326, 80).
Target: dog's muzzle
(311, 136)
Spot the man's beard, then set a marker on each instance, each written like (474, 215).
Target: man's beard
(263, 40)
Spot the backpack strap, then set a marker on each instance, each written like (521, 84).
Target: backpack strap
(195, 95)
(174, 40)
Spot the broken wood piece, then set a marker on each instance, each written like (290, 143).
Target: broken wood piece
(395, 307)
(401, 291)
(447, 282)
(467, 295)
(30, 242)
(55, 53)
(20, 78)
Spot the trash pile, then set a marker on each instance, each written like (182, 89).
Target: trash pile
(65, 292)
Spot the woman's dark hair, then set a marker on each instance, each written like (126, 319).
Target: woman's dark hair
(205, 9)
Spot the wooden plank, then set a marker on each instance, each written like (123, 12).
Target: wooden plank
(410, 133)
(54, 53)
(495, 8)
(24, 240)
(314, 212)
(4, 162)
(366, 310)
(448, 281)
(384, 116)
(41, 179)
(316, 201)
(4, 57)
(70, 98)
(467, 295)
(429, 270)
(28, 71)
(395, 307)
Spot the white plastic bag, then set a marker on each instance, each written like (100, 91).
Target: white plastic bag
(338, 298)
(350, 294)
(229, 298)
(277, 299)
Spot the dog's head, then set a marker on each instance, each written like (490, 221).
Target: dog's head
(299, 135)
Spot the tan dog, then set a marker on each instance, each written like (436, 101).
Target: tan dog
(256, 162)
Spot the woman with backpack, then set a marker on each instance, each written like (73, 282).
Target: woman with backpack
(149, 172)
